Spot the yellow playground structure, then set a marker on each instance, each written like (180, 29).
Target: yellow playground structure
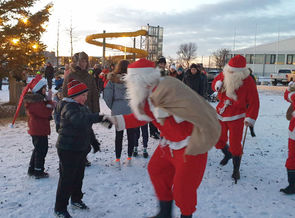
(152, 47)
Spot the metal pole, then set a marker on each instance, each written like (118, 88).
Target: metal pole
(57, 43)
(134, 45)
(103, 50)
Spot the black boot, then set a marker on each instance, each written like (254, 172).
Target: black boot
(236, 171)
(31, 171)
(188, 216)
(227, 156)
(96, 146)
(165, 210)
(290, 189)
(135, 152)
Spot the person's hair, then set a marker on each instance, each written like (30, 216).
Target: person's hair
(121, 67)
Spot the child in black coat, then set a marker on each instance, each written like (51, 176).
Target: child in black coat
(73, 144)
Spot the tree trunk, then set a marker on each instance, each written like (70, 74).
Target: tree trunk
(15, 90)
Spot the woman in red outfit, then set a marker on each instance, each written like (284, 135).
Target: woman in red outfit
(177, 166)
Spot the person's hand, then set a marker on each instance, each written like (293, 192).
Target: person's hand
(108, 121)
(218, 85)
(246, 123)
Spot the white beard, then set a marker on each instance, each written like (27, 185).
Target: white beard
(233, 81)
(139, 87)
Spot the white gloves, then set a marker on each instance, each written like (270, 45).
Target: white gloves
(218, 85)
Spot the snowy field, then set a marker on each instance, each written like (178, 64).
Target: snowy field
(128, 193)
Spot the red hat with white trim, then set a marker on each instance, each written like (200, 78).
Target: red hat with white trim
(237, 63)
(142, 68)
(37, 83)
(76, 88)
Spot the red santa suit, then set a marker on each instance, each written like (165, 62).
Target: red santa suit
(290, 162)
(236, 104)
(174, 174)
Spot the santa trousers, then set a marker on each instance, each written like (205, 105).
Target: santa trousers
(176, 176)
(235, 129)
(290, 162)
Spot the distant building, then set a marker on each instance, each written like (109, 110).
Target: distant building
(269, 58)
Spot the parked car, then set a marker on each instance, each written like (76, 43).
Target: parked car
(283, 76)
(212, 74)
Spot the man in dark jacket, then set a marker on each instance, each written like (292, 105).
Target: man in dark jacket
(49, 73)
(196, 80)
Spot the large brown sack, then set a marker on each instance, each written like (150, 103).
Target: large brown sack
(176, 98)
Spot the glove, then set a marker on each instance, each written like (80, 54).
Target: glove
(107, 121)
(218, 85)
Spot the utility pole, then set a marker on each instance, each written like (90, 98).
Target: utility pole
(234, 47)
(103, 50)
(57, 44)
(71, 37)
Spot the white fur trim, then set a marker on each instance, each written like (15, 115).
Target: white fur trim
(175, 145)
(146, 70)
(250, 120)
(120, 122)
(39, 85)
(236, 69)
(218, 85)
(236, 117)
(178, 119)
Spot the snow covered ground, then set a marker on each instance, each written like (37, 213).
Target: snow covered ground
(129, 194)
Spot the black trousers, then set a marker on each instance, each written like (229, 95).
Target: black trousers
(71, 174)
(131, 137)
(145, 135)
(39, 153)
(153, 129)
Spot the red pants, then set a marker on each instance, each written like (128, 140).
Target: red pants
(290, 162)
(235, 129)
(176, 176)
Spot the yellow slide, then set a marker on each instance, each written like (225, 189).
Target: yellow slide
(139, 52)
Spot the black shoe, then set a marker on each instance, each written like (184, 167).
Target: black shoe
(189, 216)
(31, 172)
(80, 205)
(40, 174)
(165, 210)
(145, 154)
(155, 135)
(62, 214)
(290, 189)
(87, 163)
(135, 152)
(227, 156)
(236, 171)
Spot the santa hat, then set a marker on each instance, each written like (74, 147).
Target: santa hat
(237, 63)
(142, 69)
(76, 88)
(37, 83)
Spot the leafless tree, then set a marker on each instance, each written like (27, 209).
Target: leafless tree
(220, 57)
(187, 52)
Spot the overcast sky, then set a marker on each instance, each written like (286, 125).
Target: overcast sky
(211, 24)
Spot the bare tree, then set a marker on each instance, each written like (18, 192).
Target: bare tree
(220, 57)
(187, 52)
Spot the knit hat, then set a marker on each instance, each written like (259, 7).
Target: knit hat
(37, 83)
(237, 63)
(76, 88)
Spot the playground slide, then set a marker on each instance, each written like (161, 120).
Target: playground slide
(139, 52)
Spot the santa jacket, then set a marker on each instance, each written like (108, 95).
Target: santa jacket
(290, 97)
(175, 132)
(246, 105)
(39, 112)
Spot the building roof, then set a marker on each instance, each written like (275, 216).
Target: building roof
(280, 47)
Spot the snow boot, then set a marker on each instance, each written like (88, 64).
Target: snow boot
(40, 174)
(135, 152)
(87, 162)
(165, 210)
(290, 189)
(79, 205)
(31, 171)
(188, 216)
(236, 171)
(62, 214)
(145, 153)
(227, 156)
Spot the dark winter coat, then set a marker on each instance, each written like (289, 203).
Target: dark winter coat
(73, 123)
(39, 112)
(49, 72)
(114, 95)
(197, 82)
(93, 93)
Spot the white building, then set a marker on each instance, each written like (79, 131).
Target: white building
(269, 58)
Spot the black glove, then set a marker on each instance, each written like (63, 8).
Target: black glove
(106, 122)
(252, 131)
